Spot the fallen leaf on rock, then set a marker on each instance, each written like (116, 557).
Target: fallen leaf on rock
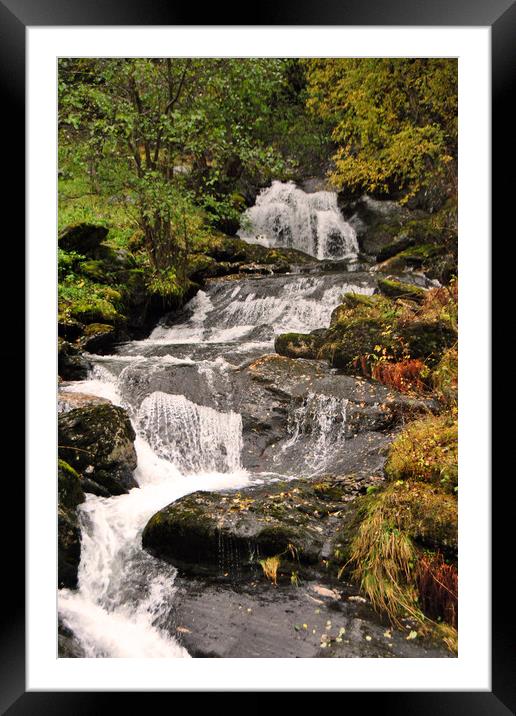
(324, 592)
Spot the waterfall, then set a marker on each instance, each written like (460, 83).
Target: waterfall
(123, 605)
(193, 437)
(320, 420)
(286, 216)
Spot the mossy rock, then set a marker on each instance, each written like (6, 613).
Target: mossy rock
(95, 329)
(82, 238)
(395, 248)
(427, 339)
(69, 489)
(216, 533)
(98, 338)
(70, 495)
(343, 346)
(98, 441)
(98, 310)
(236, 250)
(398, 289)
(95, 270)
(298, 345)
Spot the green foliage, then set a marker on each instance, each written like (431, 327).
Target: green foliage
(88, 302)
(67, 264)
(426, 451)
(394, 121)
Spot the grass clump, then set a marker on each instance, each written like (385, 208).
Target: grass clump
(426, 451)
(396, 556)
(445, 378)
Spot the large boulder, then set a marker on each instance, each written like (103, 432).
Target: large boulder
(234, 533)
(82, 238)
(97, 440)
(70, 495)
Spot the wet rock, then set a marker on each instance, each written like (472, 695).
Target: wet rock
(68, 646)
(82, 238)
(296, 414)
(70, 495)
(312, 619)
(69, 329)
(99, 338)
(70, 400)
(377, 222)
(97, 440)
(70, 363)
(230, 532)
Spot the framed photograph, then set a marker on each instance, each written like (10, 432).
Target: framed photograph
(258, 355)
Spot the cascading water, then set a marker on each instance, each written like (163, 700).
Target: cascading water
(122, 607)
(286, 216)
(321, 420)
(192, 437)
(123, 603)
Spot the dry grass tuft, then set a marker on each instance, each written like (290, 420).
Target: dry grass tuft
(270, 567)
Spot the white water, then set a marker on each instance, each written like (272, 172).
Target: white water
(192, 437)
(321, 421)
(286, 216)
(298, 303)
(123, 604)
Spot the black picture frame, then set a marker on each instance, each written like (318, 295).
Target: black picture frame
(15, 17)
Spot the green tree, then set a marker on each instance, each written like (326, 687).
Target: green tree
(167, 133)
(394, 122)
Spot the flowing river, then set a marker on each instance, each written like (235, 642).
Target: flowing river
(186, 409)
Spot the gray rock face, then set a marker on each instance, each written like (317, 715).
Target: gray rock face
(311, 620)
(97, 440)
(295, 413)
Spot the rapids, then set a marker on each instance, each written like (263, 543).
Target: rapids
(187, 442)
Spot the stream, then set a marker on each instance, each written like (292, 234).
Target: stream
(181, 389)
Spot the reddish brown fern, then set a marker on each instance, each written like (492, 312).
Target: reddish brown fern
(437, 584)
(404, 376)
